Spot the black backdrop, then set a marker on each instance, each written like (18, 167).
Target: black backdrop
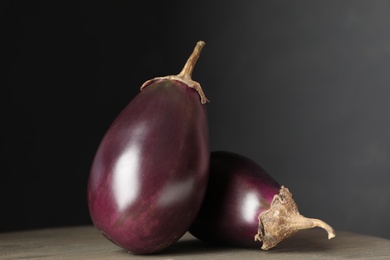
(301, 87)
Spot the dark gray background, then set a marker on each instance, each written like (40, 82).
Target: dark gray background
(301, 87)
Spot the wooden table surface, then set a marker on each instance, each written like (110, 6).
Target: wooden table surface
(86, 242)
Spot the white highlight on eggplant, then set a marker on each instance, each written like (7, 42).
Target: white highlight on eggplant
(125, 175)
(250, 206)
(176, 192)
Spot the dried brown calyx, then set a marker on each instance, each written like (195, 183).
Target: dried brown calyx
(282, 220)
(185, 76)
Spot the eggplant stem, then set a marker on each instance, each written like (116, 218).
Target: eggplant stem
(299, 222)
(186, 72)
(185, 76)
(282, 220)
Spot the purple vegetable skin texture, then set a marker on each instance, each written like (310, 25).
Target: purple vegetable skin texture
(238, 191)
(150, 172)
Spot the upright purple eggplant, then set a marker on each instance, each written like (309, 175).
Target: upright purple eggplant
(150, 172)
(243, 204)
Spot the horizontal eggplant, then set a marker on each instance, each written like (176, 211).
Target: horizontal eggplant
(244, 204)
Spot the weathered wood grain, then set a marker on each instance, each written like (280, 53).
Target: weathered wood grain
(86, 242)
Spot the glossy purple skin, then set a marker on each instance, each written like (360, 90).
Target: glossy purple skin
(150, 172)
(238, 191)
